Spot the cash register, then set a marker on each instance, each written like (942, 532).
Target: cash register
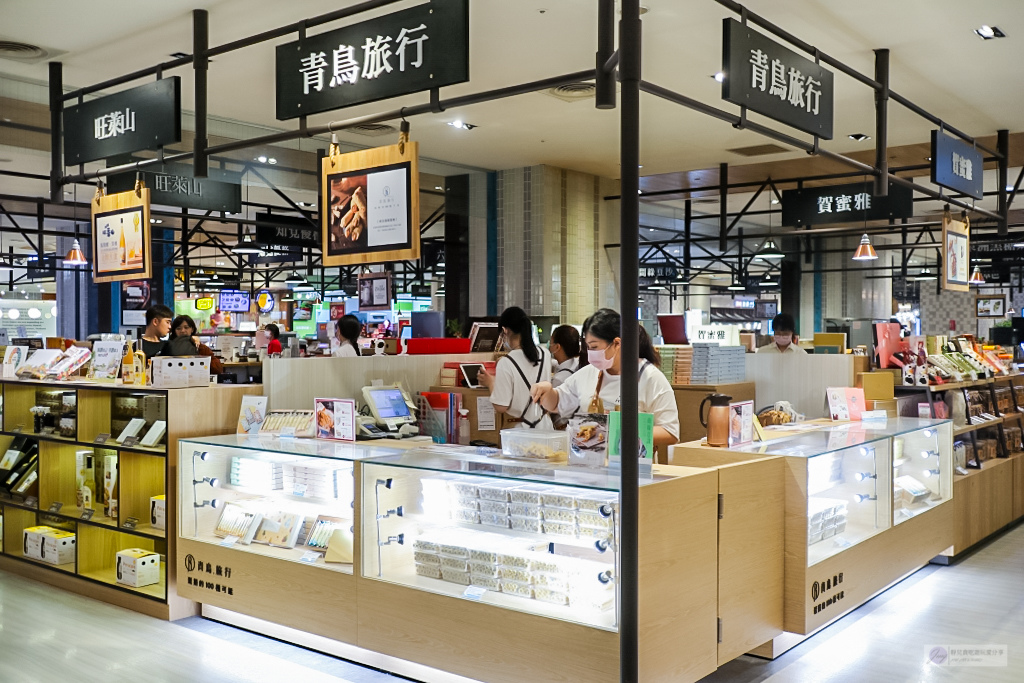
(391, 411)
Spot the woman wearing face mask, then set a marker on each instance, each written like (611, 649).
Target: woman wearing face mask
(785, 340)
(346, 335)
(518, 372)
(594, 388)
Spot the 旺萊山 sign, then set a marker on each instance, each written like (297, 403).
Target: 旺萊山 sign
(140, 118)
(956, 165)
(843, 203)
(174, 185)
(404, 52)
(774, 81)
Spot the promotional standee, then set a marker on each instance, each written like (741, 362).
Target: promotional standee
(120, 236)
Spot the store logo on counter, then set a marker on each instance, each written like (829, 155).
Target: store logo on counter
(820, 588)
(208, 582)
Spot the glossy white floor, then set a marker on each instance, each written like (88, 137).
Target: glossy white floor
(47, 635)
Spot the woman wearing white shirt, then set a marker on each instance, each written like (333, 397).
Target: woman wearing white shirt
(346, 333)
(517, 373)
(565, 351)
(594, 388)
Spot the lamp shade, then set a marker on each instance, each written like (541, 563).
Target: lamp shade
(75, 256)
(769, 251)
(976, 277)
(768, 281)
(294, 279)
(865, 252)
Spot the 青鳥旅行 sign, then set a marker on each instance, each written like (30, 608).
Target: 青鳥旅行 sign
(416, 49)
(774, 81)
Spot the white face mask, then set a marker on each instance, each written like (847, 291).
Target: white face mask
(597, 358)
(783, 340)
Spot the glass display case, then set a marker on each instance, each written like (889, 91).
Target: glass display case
(852, 467)
(468, 523)
(286, 498)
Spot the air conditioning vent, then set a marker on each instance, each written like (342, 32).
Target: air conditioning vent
(373, 130)
(572, 92)
(24, 52)
(758, 150)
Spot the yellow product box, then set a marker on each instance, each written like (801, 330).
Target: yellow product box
(58, 547)
(137, 567)
(878, 386)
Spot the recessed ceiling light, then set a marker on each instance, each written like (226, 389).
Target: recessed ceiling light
(271, 161)
(987, 32)
(775, 201)
(179, 55)
(459, 123)
(1009, 188)
(859, 137)
(156, 220)
(262, 159)
(438, 187)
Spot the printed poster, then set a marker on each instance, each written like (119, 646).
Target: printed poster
(369, 210)
(120, 246)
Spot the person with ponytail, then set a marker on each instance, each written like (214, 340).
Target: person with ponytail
(346, 336)
(518, 372)
(594, 388)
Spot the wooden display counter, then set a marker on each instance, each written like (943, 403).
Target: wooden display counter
(710, 589)
(141, 473)
(985, 501)
(820, 588)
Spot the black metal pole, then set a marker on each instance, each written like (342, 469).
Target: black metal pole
(723, 213)
(882, 123)
(200, 64)
(629, 265)
(56, 105)
(687, 232)
(1003, 145)
(605, 81)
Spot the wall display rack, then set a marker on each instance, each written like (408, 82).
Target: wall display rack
(70, 465)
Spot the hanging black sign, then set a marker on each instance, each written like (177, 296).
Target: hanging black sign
(291, 231)
(173, 185)
(773, 80)
(400, 53)
(844, 203)
(41, 268)
(145, 117)
(419, 290)
(956, 165)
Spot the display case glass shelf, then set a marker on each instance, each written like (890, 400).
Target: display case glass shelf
(468, 523)
(285, 498)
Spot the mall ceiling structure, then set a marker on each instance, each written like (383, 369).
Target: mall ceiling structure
(937, 61)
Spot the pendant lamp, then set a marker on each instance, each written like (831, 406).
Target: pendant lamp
(769, 251)
(976, 277)
(865, 252)
(75, 257)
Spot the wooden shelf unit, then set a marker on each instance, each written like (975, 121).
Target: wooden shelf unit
(142, 473)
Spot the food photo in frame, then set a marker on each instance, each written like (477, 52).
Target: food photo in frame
(991, 306)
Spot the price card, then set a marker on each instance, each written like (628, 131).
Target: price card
(130, 523)
(299, 490)
(87, 514)
(310, 556)
(229, 541)
(55, 507)
(130, 441)
(17, 428)
(474, 592)
(31, 501)
(287, 433)
(101, 438)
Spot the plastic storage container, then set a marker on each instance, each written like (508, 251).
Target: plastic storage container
(530, 444)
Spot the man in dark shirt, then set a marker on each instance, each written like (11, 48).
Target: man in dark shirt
(158, 326)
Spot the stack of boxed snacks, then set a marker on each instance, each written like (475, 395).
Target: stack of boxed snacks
(676, 363)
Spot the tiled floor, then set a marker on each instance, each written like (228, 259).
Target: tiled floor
(47, 635)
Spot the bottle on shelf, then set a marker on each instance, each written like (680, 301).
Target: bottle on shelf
(128, 363)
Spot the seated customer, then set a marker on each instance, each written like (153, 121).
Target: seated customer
(183, 342)
(785, 339)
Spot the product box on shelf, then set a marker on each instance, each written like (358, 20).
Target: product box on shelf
(170, 373)
(137, 567)
(32, 541)
(158, 512)
(58, 547)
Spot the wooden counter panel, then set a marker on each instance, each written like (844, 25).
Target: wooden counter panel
(750, 555)
(1018, 486)
(678, 557)
(303, 597)
(481, 641)
(983, 502)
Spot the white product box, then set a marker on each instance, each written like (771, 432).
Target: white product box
(158, 512)
(170, 373)
(199, 371)
(137, 567)
(32, 541)
(58, 547)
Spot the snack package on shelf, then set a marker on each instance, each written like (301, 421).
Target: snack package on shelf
(37, 365)
(74, 359)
